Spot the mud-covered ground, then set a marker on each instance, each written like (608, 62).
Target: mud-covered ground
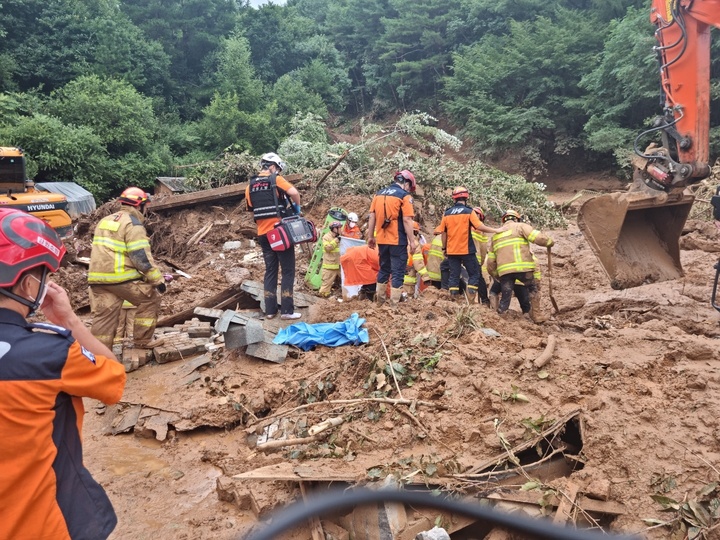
(641, 365)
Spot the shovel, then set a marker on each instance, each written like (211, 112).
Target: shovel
(549, 276)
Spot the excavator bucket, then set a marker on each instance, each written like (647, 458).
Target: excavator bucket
(636, 236)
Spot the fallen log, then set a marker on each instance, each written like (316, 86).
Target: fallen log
(546, 355)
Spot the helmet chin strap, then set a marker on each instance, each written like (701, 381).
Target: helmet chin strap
(32, 304)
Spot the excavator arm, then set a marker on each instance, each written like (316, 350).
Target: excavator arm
(636, 234)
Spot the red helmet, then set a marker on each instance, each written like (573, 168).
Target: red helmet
(133, 196)
(460, 193)
(26, 242)
(406, 176)
(479, 212)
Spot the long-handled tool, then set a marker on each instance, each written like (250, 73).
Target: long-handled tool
(549, 278)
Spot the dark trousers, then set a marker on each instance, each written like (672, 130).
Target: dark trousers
(472, 267)
(520, 291)
(393, 261)
(507, 287)
(274, 261)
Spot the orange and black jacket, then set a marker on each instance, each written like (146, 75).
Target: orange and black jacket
(390, 205)
(45, 490)
(457, 224)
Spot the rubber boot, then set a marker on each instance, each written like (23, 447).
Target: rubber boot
(494, 301)
(396, 296)
(380, 295)
(536, 314)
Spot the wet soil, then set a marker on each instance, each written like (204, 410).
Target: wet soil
(642, 365)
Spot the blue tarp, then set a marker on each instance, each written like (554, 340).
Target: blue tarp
(306, 336)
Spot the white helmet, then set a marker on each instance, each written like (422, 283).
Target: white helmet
(273, 158)
(352, 216)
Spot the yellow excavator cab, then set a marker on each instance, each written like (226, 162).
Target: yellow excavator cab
(16, 191)
(635, 235)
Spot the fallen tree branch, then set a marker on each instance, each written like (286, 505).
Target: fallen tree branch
(389, 401)
(392, 369)
(273, 445)
(546, 355)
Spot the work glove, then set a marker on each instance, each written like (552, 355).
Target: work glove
(296, 207)
(161, 288)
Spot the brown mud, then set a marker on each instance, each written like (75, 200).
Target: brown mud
(642, 365)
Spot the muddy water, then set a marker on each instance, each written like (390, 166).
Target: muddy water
(156, 488)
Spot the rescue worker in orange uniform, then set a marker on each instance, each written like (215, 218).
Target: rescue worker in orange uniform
(122, 268)
(390, 225)
(351, 229)
(360, 266)
(416, 265)
(45, 371)
(270, 197)
(331, 258)
(456, 226)
(510, 259)
(480, 241)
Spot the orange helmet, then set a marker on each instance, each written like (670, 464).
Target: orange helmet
(460, 193)
(511, 215)
(416, 226)
(479, 212)
(133, 196)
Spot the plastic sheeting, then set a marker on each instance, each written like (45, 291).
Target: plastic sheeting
(306, 336)
(80, 200)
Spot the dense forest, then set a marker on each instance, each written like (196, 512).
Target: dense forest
(110, 93)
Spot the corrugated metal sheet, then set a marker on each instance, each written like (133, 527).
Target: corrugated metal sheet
(80, 200)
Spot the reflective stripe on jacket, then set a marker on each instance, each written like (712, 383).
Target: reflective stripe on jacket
(416, 264)
(435, 256)
(509, 251)
(121, 250)
(331, 252)
(480, 241)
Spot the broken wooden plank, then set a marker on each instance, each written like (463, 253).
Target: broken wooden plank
(257, 291)
(231, 295)
(538, 498)
(291, 472)
(316, 529)
(564, 511)
(494, 461)
(186, 200)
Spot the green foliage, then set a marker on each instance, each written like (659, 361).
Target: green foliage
(57, 151)
(622, 89)
(521, 90)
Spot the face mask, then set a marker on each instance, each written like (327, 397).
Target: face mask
(43, 292)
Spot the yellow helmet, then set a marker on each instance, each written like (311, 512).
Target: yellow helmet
(511, 215)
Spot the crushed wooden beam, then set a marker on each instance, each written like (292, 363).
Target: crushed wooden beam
(206, 196)
(186, 200)
(233, 295)
(567, 504)
(539, 498)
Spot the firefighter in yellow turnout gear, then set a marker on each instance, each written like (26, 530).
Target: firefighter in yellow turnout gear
(122, 269)
(481, 240)
(510, 260)
(416, 264)
(331, 258)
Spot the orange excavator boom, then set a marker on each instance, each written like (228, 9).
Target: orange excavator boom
(636, 235)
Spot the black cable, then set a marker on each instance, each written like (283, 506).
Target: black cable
(338, 500)
(652, 130)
